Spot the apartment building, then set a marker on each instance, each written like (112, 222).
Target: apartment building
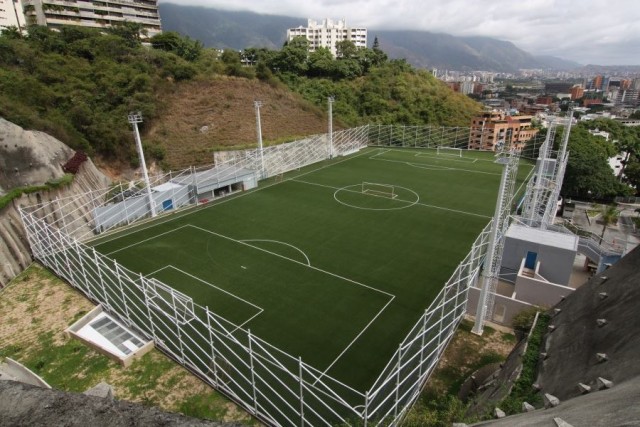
(95, 14)
(494, 128)
(11, 14)
(328, 33)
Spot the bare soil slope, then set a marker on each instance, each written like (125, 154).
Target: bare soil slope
(201, 116)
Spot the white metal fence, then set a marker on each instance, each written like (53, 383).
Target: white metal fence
(436, 136)
(274, 386)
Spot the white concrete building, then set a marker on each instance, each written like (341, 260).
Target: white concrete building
(328, 33)
(11, 14)
(96, 14)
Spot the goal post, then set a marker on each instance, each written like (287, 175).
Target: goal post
(377, 189)
(449, 151)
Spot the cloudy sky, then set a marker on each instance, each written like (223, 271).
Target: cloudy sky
(605, 32)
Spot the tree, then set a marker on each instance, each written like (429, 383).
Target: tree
(346, 49)
(321, 63)
(131, 32)
(184, 47)
(608, 215)
(292, 58)
(588, 174)
(379, 57)
(11, 32)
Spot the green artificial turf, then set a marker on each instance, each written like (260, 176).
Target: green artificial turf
(316, 267)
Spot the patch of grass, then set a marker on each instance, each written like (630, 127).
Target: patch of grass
(523, 390)
(11, 351)
(508, 337)
(17, 192)
(71, 366)
(143, 374)
(207, 405)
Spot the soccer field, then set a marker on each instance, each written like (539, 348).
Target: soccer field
(335, 262)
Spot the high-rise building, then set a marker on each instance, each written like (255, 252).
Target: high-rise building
(328, 33)
(96, 14)
(11, 14)
(493, 129)
(576, 92)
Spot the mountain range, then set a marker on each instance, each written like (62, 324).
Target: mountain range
(238, 30)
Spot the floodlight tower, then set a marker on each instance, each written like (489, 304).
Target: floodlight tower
(331, 100)
(257, 105)
(134, 119)
(509, 159)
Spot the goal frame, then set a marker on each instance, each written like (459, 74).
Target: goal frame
(442, 151)
(378, 189)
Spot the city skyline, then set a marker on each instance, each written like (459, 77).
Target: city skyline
(588, 32)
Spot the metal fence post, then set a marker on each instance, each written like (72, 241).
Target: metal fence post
(424, 332)
(366, 408)
(143, 284)
(301, 392)
(253, 374)
(395, 405)
(213, 349)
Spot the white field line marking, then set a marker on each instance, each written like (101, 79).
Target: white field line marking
(260, 309)
(197, 208)
(291, 259)
(354, 340)
(380, 152)
(397, 200)
(434, 167)
(439, 157)
(141, 241)
(392, 297)
(413, 150)
(282, 243)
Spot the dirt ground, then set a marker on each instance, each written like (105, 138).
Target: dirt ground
(465, 354)
(36, 308)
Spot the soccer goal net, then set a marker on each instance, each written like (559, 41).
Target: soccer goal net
(449, 151)
(380, 190)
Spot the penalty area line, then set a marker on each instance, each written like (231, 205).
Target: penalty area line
(354, 340)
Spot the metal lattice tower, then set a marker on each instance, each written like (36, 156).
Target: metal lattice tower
(499, 227)
(543, 190)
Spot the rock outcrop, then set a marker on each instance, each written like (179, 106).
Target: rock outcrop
(29, 159)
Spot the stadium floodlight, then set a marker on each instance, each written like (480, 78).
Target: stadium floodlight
(134, 119)
(331, 100)
(257, 105)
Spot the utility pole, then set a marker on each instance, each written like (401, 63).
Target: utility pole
(134, 119)
(257, 105)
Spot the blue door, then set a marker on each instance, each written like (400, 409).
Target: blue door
(530, 261)
(167, 204)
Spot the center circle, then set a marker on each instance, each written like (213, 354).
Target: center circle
(356, 188)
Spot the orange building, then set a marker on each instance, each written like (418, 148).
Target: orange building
(577, 92)
(491, 129)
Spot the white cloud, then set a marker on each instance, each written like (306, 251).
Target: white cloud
(588, 31)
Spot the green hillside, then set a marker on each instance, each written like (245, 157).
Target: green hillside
(79, 85)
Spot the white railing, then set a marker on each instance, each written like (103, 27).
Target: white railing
(274, 386)
(438, 136)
